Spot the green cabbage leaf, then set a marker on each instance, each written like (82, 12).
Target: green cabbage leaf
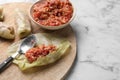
(63, 46)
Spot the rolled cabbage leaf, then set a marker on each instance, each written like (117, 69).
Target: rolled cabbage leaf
(6, 31)
(23, 24)
(1, 13)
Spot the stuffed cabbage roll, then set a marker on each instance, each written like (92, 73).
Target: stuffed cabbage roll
(6, 31)
(23, 24)
(1, 13)
(62, 47)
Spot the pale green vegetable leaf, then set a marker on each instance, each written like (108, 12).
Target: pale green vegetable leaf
(62, 47)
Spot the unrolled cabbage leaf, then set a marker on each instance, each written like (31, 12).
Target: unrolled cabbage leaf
(63, 46)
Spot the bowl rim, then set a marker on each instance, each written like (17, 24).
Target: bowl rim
(52, 27)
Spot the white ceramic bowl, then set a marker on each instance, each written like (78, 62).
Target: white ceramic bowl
(50, 27)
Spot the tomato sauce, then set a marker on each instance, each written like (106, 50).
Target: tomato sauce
(40, 51)
(52, 12)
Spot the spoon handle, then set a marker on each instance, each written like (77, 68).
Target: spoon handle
(5, 63)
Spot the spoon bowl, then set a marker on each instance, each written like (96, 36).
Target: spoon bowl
(27, 43)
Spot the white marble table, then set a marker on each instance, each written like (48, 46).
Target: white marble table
(97, 27)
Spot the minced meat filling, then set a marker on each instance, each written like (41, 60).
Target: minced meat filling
(52, 12)
(39, 51)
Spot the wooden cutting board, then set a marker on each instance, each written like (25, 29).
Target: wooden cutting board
(55, 71)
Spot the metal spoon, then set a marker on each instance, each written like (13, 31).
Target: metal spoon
(26, 44)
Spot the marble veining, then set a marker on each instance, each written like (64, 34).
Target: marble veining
(97, 28)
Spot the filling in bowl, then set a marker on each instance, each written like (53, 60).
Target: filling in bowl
(52, 12)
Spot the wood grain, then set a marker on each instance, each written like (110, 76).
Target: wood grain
(56, 71)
